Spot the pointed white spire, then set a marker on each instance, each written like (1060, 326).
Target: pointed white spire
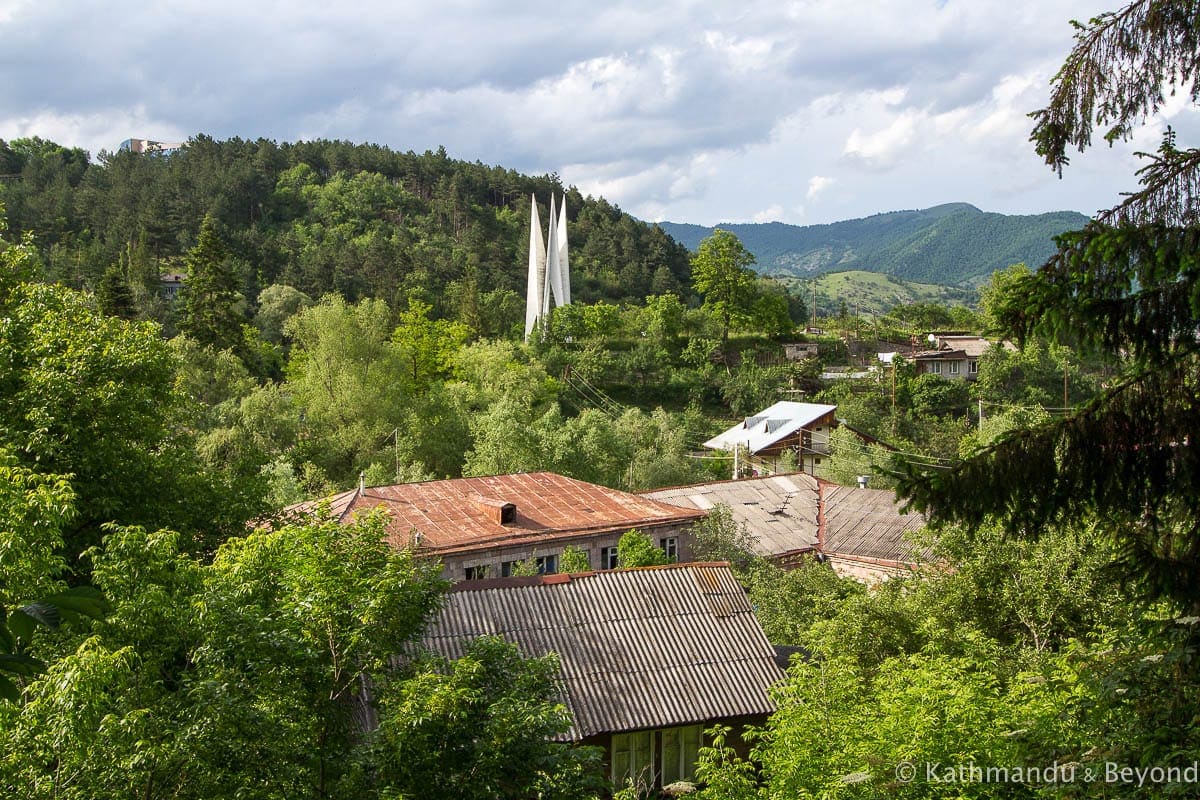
(553, 273)
(537, 270)
(564, 264)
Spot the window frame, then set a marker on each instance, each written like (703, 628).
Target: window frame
(670, 547)
(608, 557)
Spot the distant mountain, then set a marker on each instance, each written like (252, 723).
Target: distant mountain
(952, 244)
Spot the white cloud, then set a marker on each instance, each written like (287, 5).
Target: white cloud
(816, 185)
(687, 110)
(881, 148)
(772, 214)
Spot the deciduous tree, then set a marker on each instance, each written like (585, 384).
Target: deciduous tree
(721, 273)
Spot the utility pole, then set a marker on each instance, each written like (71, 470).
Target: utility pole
(1065, 403)
(396, 450)
(981, 415)
(736, 447)
(894, 357)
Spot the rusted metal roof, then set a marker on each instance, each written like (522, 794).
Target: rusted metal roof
(638, 648)
(465, 513)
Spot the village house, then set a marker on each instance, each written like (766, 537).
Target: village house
(649, 658)
(484, 527)
(860, 532)
(799, 429)
(954, 357)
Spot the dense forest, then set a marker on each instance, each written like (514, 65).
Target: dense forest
(322, 216)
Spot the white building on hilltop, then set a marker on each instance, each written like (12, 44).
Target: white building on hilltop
(549, 265)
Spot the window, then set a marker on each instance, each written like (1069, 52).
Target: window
(633, 759)
(507, 568)
(935, 367)
(680, 750)
(608, 558)
(670, 546)
(477, 572)
(546, 565)
(972, 367)
(954, 367)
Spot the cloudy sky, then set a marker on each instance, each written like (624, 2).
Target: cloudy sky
(803, 112)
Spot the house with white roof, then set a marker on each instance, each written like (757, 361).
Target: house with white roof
(799, 428)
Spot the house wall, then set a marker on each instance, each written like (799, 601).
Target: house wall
(735, 740)
(455, 565)
(865, 572)
(945, 368)
(812, 445)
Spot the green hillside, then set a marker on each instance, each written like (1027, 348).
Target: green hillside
(953, 244)
(324, 216)
(873, 292)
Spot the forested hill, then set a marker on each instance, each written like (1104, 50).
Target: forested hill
(950, 244)
(322, 216)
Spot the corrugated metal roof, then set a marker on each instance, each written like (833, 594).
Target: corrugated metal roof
(640, 648)
(769, 426)
(780, 512)
(867, 523)
(461, 514)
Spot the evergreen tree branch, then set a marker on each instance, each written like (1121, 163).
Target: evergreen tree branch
(1117, 73)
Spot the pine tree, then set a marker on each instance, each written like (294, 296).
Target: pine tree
(114, 296)
(1127, 285)
(210, 302)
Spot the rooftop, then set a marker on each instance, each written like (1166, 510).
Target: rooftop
(780, 511)
(466, 513)
(788, 514)
(771, 425)
(639, 648)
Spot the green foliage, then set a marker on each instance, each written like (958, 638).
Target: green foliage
(211, 307)
(718, 537)
(276, 304)
(574, 560)
(326, 216)
(237, 677)
(481, 727)
(92, 396)
(114, 296)
(348, 379)
(636, 549)
(721, 273)
(427, 346)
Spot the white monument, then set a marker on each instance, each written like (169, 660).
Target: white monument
(549, 265)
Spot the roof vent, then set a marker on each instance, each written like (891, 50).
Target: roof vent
(862, 481)
(497, 511)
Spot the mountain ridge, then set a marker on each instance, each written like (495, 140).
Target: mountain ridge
(955, 244)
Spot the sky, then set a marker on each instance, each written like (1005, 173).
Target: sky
(802, 112)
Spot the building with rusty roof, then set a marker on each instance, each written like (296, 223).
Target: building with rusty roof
(483, 527)
(861, 532)
(648, 657)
